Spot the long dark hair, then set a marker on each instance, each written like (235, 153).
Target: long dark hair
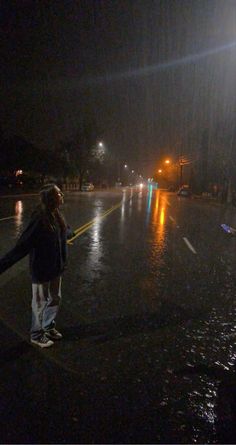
(48, 208)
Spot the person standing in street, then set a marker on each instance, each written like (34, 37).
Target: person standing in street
(45, 240)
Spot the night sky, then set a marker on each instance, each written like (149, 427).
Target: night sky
(154, 73)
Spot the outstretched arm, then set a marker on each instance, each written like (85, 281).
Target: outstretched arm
(23, 246)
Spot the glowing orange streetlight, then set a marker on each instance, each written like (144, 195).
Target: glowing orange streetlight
(167, 161)
(160, 170)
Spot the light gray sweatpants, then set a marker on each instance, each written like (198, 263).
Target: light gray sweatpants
(46, 298)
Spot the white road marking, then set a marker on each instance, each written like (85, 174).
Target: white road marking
(172, 219)
(8, 217)
(187, 242)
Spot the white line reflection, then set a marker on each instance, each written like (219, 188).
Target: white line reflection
(187, 242)
(7, 217)
(95, 247)
(19, 209)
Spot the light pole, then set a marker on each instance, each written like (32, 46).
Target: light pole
(183, 160)
(118, 171)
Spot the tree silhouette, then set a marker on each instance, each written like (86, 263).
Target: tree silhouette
(79, 152)
(18, 154)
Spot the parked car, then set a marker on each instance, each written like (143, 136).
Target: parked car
(184, 191)
(87, 187)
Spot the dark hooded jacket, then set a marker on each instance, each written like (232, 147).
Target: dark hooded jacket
(46, 246)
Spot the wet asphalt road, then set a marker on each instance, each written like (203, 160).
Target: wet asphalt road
(148, 318)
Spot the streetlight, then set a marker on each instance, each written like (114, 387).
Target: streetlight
(125, 166)
(100, 151)
(167, 161)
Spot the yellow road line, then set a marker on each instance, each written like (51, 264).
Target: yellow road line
(89, 224)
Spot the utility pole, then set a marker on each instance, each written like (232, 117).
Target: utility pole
(181, 174)
(183, 160)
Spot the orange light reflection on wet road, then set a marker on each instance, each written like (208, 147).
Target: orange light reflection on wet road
(159, 217)
(157, 200)
(162, 216)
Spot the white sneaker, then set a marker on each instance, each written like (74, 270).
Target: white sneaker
(53, 334)
(42, 342)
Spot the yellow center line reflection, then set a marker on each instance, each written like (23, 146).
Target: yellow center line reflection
(93, 221)
(162, 216)
(159, 217)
